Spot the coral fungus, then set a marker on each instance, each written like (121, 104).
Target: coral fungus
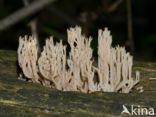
(76, 72)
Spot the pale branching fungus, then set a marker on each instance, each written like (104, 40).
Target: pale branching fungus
(114, 66)
(27, 57)
(52, 63)
(76, 72)
(79, 62)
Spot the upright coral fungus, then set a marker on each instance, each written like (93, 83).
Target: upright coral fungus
(76, 72)
(114, 65)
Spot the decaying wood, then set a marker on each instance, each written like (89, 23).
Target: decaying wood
(19, 98)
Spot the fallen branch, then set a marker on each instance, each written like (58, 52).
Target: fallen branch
(22, 13)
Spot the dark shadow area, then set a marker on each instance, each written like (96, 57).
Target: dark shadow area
(132, 23)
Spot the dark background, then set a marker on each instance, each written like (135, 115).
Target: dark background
(91, 15)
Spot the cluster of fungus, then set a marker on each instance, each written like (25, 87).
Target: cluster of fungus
(76, 72)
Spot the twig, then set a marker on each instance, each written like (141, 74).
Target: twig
(152, 78)
(129, 26)
(114, 6)
(23, 12)
(33, 25)
(33, 22)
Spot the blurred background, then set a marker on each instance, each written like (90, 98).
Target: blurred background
(132, 22)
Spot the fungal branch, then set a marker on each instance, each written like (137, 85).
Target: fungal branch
(76, 72)
(27, 57)
(114, 66)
